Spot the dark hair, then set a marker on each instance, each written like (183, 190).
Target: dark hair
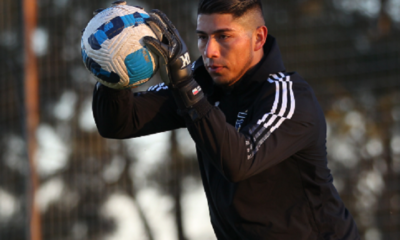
(235, 7)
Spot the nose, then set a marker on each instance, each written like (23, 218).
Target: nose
(212, 49)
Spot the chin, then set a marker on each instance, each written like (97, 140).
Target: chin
(221, 81)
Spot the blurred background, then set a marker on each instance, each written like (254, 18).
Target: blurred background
(88, 187)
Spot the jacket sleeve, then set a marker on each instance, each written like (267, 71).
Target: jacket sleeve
(123, 114)
(275, 134)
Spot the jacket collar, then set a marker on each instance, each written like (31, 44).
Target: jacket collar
(270, 63)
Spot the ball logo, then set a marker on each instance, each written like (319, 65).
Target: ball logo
(196, 90)
(185, 58)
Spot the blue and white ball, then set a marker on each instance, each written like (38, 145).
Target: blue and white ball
(113, 50)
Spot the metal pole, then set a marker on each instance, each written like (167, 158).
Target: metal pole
(32, 112)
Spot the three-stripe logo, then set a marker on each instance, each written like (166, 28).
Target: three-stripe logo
(283, 108)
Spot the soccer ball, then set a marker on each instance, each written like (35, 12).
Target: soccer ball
(113, 50)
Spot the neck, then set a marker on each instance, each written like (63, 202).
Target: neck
(256, 59)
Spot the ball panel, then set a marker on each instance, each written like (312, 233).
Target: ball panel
(96, 69)
(114, 27)
(95, 40)
(139, 65)
(134, 19)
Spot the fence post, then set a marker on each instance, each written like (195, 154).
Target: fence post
(31, 92)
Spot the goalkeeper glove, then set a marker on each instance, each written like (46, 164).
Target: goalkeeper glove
(175, 65)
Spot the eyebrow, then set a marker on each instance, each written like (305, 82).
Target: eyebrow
(217, 31)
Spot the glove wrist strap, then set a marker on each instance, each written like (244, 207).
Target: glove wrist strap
(188, 94)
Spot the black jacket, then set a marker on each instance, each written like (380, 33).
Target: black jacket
(260, 146)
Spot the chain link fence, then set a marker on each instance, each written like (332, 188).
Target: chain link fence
(149, 188)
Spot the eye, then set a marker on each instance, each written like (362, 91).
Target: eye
(223, 36)
(201, 37)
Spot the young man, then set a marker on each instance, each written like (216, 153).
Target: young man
(259, 131)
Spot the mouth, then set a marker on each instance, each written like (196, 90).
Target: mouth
(214, 68)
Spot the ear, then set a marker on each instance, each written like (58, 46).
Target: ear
(261, 34)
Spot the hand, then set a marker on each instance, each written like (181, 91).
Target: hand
(170, 47)
(174, 57)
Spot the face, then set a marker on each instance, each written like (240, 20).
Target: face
(226, 45)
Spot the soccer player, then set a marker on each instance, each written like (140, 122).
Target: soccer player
(260, 133)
